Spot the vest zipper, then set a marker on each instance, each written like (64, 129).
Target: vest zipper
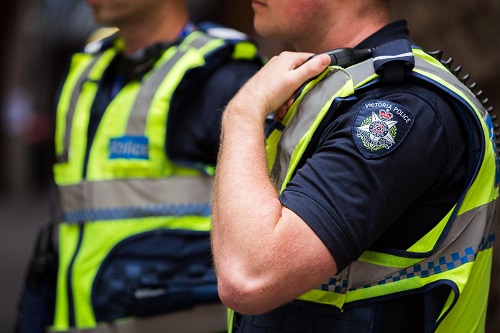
(69, 284)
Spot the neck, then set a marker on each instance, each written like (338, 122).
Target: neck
(334, 34)
(164, 26)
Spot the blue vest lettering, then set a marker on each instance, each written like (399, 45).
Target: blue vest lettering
(129, 147)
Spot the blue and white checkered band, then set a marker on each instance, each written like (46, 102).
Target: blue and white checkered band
(380, 126)
(129, 147)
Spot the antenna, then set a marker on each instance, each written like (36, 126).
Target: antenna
(473, 87)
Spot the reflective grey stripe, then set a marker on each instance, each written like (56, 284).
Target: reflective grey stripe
(209, 318)
(200, 41)
(142, 104)
(302, 120)
(450, 78)
(63, 157)
(308, 110)
(129, 198)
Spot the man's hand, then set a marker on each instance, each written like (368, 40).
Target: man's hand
(273, 87)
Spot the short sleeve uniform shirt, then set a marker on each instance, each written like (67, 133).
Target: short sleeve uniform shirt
(389, 196)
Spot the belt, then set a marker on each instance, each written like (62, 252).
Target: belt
(409, 314)
(201, 319)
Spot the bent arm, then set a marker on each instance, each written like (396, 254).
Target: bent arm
(265, 255)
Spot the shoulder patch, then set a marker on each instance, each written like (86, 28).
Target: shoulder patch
(380, 126)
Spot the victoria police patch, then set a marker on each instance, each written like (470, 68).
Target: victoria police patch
(380, 126)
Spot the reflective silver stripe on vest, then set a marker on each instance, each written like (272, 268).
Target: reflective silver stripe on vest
(308, 110)
(450, 78)
(63, 157)
(200, 41)
(134, 198)
(149, 86)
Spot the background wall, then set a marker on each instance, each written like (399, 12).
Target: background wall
(38, 37)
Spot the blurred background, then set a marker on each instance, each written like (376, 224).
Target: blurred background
(38, 37)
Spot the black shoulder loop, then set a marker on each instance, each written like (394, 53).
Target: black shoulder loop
(393, 60)
(102, 44)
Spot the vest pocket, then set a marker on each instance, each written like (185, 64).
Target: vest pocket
(155, 272)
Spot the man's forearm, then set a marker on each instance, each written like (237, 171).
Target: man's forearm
(245, 205)
(257, 243)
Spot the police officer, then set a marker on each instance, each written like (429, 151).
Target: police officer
(137, 134)
(371, 205)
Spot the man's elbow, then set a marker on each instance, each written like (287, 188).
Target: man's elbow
(243, 295)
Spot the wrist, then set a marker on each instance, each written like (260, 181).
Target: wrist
(244, 111)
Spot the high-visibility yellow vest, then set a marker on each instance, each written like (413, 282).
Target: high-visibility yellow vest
(457, 252)
(130, 188)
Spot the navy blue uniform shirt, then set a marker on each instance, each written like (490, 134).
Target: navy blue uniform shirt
(354, 201)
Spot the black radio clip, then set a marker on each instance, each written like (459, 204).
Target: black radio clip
(346, 57)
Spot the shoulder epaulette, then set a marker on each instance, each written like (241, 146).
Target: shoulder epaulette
(101, 40)
(218, 31)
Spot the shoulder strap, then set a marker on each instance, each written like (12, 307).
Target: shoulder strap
(393, 60)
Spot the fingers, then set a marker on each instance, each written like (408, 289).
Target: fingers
(277, 82)
(302, 70)
(281, 112)
(313, 66)
(291, 69)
